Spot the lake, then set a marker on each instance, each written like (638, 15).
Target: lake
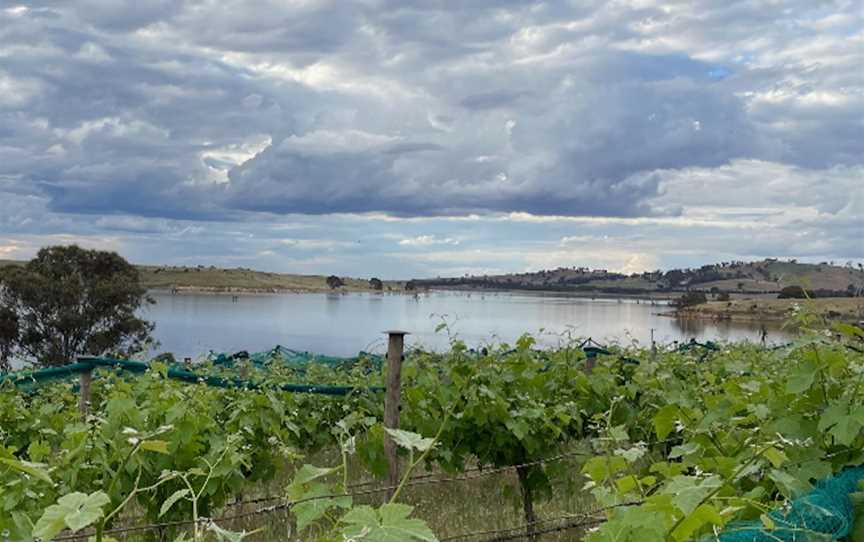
(190, 325)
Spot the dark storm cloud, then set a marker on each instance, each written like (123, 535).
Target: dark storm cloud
(566, 145)
(103, 126)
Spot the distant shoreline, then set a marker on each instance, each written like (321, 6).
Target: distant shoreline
(242, 290)
(847, 309)
(581, 294)
(239, 290)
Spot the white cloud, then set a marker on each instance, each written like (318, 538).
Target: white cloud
(93, 52)
(17, 92)
(428, 240)
(116, 127)
(313, 244)
(17, 11)
(219, 161)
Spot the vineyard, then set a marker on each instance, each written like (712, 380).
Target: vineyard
(729, 442)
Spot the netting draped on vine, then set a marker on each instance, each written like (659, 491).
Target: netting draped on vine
(826, 513)
(298, 362)
(296, 359)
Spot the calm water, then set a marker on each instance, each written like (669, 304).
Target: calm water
(343, 324)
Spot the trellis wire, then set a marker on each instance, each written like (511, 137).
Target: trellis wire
(420, 480)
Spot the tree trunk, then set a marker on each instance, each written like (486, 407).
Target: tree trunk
(527, 503)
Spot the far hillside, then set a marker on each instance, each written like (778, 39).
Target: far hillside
(763, 277)
(202, 278)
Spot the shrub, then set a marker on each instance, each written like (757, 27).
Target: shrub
(793, 292)
(690, 299)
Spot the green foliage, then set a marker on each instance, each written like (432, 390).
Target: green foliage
(677, 446)
(390, 523)
(793, 292)
(857, 499)
(691, 299)
(150, 433)
(735, 436)
(315, 502)
(69, 301)
(73, 511)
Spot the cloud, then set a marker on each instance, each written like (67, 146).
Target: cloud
(316, 244)
(491, 100)
(427, 240)
(697, 120)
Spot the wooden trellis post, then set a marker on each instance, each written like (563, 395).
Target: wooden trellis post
(395, 350)
(85, 378)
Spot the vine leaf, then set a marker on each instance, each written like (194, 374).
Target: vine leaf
(684, 450)
(802, 377)
(788, 485)
(310, 511)
(688, 492)
(775, 456)
(704, 514)
(632, 524)
(840, 423)
(307, 473)
(390, 523)
(35, 470)
(158, 446)
(664, 420)
(229, 536)
(74, 510)
(409, 440)
(169, 502)
(313, 494)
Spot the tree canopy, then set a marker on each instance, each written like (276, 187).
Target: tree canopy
(690, 299)
(793, 292)
(68, 302)
(335, 282)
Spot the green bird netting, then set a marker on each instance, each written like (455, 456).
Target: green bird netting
(298, 360)
(826, 513)
(30, 380)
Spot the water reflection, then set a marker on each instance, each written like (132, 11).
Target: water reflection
(343, 324)
(728, 330)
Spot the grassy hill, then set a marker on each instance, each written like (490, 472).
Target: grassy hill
(202, 278)
(215, 279)
(741, 278)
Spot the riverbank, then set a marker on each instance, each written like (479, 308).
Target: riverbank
(213, 280)
(557, 292)
(850, 309)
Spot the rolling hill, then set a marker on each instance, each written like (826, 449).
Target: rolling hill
(765, 277)
(215, 279)
(762, 277)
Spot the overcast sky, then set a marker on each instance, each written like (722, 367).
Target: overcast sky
(408, 138)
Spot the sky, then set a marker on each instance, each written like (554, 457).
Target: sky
(422, 138)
